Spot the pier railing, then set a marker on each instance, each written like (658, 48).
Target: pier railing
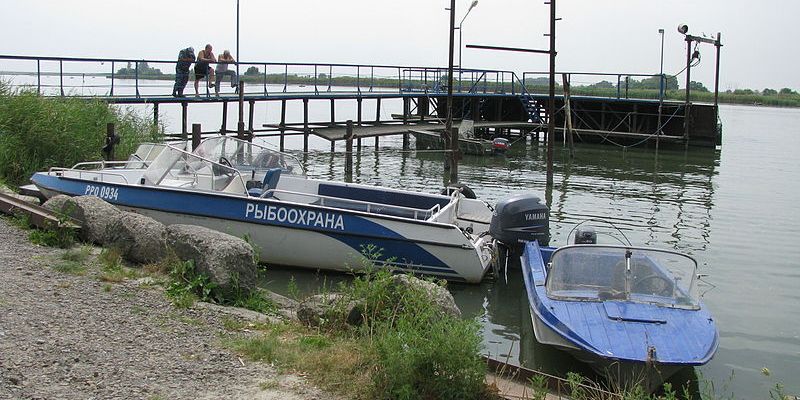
(601, 84)
(141, 79)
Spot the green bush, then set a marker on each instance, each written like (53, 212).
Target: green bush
(420, 352)
(37, 132)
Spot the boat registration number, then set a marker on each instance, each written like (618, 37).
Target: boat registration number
(103, 192)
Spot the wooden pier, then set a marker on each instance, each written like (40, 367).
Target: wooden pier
(498, 102)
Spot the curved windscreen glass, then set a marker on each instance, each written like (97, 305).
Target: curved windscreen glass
(251, 159)
(599, 273)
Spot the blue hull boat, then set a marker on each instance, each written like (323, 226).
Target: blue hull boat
(629, 312)
(245, 189)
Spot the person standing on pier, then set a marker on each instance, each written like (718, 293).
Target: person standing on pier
(203, 67)
(224, 61)
(185, 60)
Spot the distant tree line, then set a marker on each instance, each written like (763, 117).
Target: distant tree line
(144, 70)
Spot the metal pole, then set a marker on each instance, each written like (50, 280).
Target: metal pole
(660, 90)
(551, 121)
(449, 122)
(716, 77)
(459, 44)
(238, 57)
(688, 82)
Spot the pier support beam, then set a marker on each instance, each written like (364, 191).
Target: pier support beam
(250, 118)
(282, 126)
(196, 135)
(348, 161)
(305, 125)
(184, 119)
(333, 112)
(223, 129)
(240, 125)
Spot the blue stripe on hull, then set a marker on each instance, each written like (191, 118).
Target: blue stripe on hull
(348, 228)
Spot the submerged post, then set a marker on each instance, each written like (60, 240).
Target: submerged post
(348, 161)
(305, 125)
(196, 135)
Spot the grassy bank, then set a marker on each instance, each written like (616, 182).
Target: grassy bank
(39, 132)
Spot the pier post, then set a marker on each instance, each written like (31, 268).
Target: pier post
(224, 127)
(378, 111)
(155, 115)
(406, 112)
(250, 117)
(348, 161)
(196, 135)
(333, 113)
(111, 140)
(358, 101)
(282, 126)
(240, 125)
(376, 143)
(184, 119)
(333, 145)
(305, 125)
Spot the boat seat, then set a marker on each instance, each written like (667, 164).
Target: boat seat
(270, 182)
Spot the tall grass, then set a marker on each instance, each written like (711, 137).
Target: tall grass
(38, 132)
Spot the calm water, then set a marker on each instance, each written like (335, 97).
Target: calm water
(735, 209)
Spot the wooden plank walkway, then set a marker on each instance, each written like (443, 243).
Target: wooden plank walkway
(338, 132)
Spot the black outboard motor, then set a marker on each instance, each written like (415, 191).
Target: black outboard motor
(585, 235)
(517, 219)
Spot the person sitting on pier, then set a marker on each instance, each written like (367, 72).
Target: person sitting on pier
(185, 60)
(223, 63)
(203, 67)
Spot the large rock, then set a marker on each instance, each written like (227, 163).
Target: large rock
(94, 215)
(227, 260)
(437, 295)
(139, 238)
(315, 310)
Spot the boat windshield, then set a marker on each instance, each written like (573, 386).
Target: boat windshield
(174, 167)
(247, 157)
(600, 273)
(144, 155)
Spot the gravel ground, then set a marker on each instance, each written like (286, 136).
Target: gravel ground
(64, 336)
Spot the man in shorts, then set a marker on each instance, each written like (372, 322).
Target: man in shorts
(203, 67)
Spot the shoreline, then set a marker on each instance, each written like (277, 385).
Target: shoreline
(74, 336)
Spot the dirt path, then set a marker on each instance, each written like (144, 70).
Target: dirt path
(67, 336)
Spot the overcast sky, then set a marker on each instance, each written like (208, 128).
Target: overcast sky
(760, 37)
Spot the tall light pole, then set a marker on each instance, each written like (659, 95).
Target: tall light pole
(237, 39)
(661, 85)
(474, 3)
(452, 138)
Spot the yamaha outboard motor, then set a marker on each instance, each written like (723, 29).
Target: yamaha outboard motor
(518, 219)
